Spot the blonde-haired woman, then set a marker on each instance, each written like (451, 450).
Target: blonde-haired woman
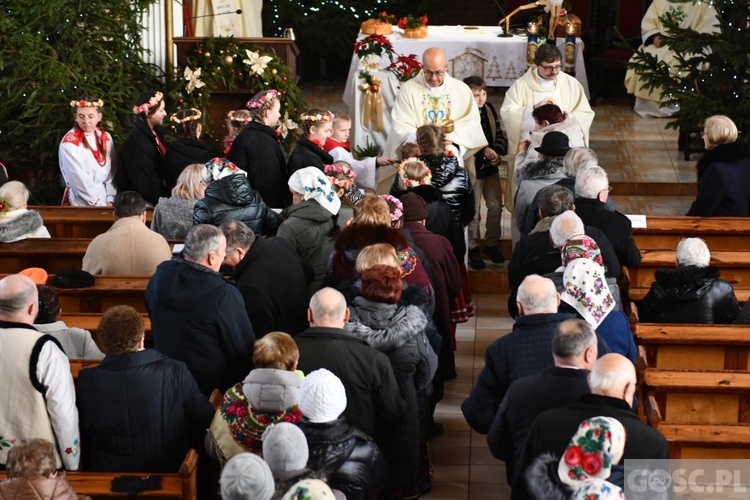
(723, 172)
(16, 221)
(173, 216)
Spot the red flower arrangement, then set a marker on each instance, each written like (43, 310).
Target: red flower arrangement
(412, 22)
(387, 18)
(405, 67)
(373, 44)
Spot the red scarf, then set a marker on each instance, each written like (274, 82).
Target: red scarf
(318, 143)
(333, 143)
(160, 146)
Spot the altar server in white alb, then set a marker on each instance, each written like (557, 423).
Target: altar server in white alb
(433, 97)
(86, 154)
(698, 16)
(543, 84)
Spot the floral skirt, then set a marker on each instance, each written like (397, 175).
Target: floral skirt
(463, 308)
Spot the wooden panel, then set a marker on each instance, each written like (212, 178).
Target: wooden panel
(674, 333)
(669, 357)
(636, 293)
(695, 408)
(720, 233)
(697, 381)
(733, 435)
(698, 452)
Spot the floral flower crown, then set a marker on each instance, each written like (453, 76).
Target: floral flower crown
(194, 117)
(341, 169)
(4, 206)
(342, 183)
(427, 179)
(230, 116)
(269, 96)
(320, 117)
(82, 103)
(158, 96)
(398, 208)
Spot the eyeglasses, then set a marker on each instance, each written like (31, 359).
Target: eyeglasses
(553, 69)
(607, 189)
(430, 74)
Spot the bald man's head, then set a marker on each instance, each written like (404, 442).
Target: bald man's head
(328, 309)
(434, 66)
(537, 295)
(19, 299)
(613, 375)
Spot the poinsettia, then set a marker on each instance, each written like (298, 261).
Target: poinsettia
(257, 62)
(193, 79)
(377, 45)
(285, 125)
(405, 67)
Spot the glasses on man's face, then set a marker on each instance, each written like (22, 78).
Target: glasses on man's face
(554, 68)
(606, 189)
(430, 74)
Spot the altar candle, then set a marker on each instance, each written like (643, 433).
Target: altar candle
(532, 43)
(570, 48)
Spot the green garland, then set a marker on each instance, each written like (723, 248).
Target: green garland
(232, 65)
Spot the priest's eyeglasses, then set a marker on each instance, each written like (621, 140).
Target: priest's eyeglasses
(552, 69)
(430, 74)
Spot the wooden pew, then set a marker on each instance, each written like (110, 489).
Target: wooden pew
(50, 254)
(703, 414)
(720, 233)
(694, 347)
(734, 266)
(90, 321)
(108, 291)
(79, 222)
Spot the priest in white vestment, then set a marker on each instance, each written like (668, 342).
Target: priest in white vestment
(698, 16)
(545, 83)
(433, 97)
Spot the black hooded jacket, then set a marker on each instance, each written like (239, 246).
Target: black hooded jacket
(183, 152)
(233, 198)
(689, 294)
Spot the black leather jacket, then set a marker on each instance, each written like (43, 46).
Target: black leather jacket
(345, 457)
(689, 294)
(453, 181)
(233, 198)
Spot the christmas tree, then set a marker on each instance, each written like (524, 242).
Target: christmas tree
(55, 51)
(713, 71)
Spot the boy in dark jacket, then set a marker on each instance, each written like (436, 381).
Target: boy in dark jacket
(487, 183)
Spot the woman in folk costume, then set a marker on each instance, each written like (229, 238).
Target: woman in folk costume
(317, 127)
(698, 16)
(142, 156)
(86, 157)
(257, 151)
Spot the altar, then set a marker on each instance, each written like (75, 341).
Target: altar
(475, 50)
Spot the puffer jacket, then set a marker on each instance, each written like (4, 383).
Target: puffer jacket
(689, 294)
(233, 198)
(453, 181)
(345, 457)
(395, 331)
(309, 228)
(38, 488)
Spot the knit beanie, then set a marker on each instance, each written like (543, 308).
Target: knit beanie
(415, 209)
(246, 477)
(322, 397)
(285, 447)
(309, 489)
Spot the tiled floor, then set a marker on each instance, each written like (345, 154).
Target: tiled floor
(651, 176)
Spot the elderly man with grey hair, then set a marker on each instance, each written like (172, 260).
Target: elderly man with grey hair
(199, 318)
(272, 278)
(535, 254)
(524, 351)
(374, 399)
(575, 160)
(690, 293)
(574, 350)
(592, 192)
(39, 399)
(612, 382)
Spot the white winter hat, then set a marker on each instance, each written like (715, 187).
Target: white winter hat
(322, 397)
(285, 447)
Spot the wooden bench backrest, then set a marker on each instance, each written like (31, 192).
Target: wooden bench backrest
(734, 266)
(720, 233)
(694, 347)
(79, 222)
(90, 321)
